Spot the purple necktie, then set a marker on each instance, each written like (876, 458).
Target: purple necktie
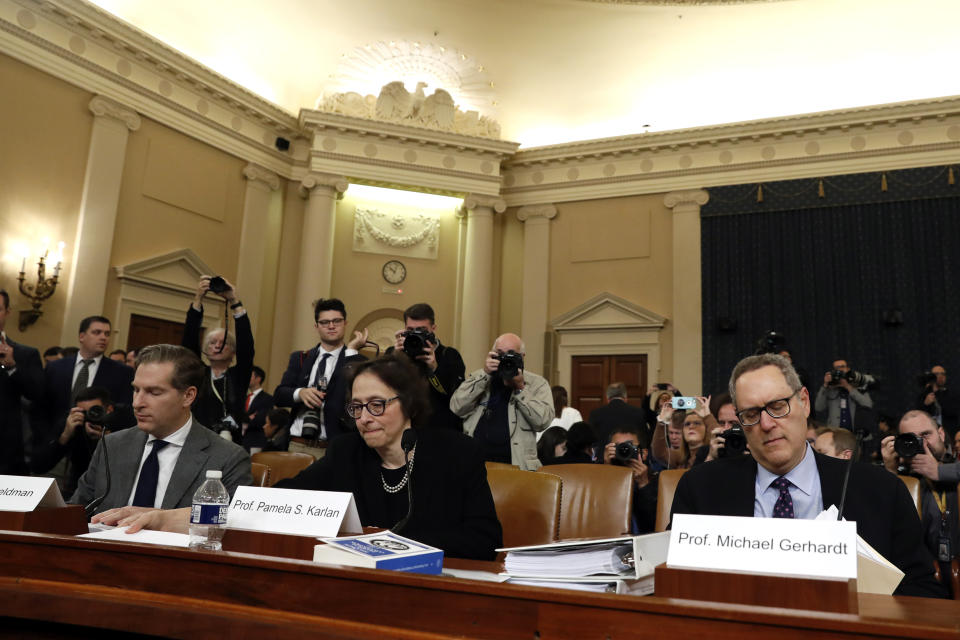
(784, 506)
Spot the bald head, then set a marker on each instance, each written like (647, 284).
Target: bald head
(509, 342)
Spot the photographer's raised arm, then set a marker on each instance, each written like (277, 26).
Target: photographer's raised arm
(465, 398)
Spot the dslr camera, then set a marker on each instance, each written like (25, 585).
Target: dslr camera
(926, 379)
(312, 417)
(908, 445)
(734, 443)
(415, 341)
(97, 416)
(218, 285)
(511, 364)
(624, 453)
(855, 378)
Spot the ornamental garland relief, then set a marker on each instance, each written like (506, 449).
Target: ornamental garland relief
(414, 235)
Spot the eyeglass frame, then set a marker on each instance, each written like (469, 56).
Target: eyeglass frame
(766, 408)
(331, 321)
(366, 405)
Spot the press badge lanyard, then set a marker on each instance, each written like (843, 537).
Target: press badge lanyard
(944, 553)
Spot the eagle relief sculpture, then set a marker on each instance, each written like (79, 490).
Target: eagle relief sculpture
(396, 104)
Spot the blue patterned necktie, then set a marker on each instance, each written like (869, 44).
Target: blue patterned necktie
(146, 493)
(784, 506)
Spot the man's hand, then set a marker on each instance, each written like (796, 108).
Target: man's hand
(517, 382)
(137, 518)
(703, 406)
(492, 363)
(925, 464)
(6, 355)
(640, 477)
(609, 452)
(890, 459)
(666, 412)
(311, 397)
(827, 379)
(398, 339)
(846, 385)
(93, 431)
(74, 420)
(716, 443)
(930, 398)
(429, 356)
(359, 339)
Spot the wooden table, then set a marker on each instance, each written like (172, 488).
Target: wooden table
(52, 580)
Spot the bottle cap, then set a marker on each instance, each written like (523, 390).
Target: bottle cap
(214, 473)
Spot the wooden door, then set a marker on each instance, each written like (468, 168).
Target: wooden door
(145, 331)
(592, 375)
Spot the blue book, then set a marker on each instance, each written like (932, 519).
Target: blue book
(385, 550)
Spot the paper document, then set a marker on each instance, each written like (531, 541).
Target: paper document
(875, 574)
(144, 536)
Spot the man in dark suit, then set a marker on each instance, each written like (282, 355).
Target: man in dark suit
(65, 378)
(784, 477)
(221, 397)
(21, 376)
(257, 406)
(162, 462)
(618, 413)
(441, 366)
(315, 382)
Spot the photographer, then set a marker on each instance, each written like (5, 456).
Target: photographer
(939, 401)
(840, 397)
(727, 437)
(441, 366)
(920, 450)
(221, 398)
(624, 450)
(81, 431)
(503, 406)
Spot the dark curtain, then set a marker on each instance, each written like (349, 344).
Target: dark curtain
(824, 276)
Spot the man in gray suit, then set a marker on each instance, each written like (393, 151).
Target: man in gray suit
(162, 462)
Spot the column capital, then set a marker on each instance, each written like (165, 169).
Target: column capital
(473, 200)
(696, 197)
(256, 173)
(335, 185)
(102, 107)
(537, 211)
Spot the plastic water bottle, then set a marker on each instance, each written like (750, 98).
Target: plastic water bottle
(209, 513)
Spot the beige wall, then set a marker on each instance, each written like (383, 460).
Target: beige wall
(619, 245)
(44, 135)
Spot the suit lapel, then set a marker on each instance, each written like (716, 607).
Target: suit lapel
(831, 480)
(125, 463)
(743, 487)
(308, 366)
(189, 465)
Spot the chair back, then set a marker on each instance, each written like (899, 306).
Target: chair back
(528, 505)
(913, 487)
(666, 487)
(597, 500)
(283, 464)
(499, 465)
(260, 473)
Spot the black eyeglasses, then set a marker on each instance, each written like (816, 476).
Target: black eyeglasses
(333, 321)
(775, 409)
(374, 407)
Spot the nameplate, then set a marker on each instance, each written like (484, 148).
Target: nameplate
(769, 546)
(26, 493)
(293, 511)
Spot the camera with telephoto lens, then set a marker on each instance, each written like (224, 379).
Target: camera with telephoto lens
(218, 285)
(908, 445)
(734, 442)
(415, 341)
(624, 453)
(311, 424)
(511, 363)
(926, 378)
(96, 415)
(855, 378)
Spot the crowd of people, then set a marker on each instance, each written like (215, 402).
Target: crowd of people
(155, 418)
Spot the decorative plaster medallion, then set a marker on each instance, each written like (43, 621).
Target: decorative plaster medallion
(78, 45)
(768, 153)
(685, 162)
(236, 123)
(415, 235)
(449, 162)
(537, 177)
(124, 68)
(410, 155)
(646, 165)
(858, 143)
(165, 88)
(370, 150)
(953, 132)
(812, 148)
(905, 138)
(509, 180)
(725, 157)
(26, 19)
(573, 173)
(329, 144)
(609, 169)
(486, 166)
(202, 107)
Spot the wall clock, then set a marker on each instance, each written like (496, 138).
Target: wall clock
(394, 272)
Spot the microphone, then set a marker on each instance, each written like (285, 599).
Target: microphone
(407, 442)
(860, 433)
(90, 508)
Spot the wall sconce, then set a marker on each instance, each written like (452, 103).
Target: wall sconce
(42, 290)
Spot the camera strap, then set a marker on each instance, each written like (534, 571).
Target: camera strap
(435, 383)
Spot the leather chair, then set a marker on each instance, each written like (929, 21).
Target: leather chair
(499, 465)
(666, 487)
(528, 505)
(913, 486)
(597, 500)
(260, 473)
(283, 464)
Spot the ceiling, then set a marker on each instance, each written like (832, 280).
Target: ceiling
(554, 71)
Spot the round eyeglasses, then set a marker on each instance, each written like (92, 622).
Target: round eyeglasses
(775, 409)
(374, 407)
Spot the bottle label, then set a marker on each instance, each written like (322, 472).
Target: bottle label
(208, 514)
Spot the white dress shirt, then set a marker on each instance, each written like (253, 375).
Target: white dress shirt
(296, 429)
(91, 372)
(166, 459)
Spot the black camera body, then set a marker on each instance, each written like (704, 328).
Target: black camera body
(511, 364)
(311, 424)
(926, 379)
(734, 442)
(97, 415)
(415, 341)
(218, 285)
(624, 453)
(908, 445)
(855, 378)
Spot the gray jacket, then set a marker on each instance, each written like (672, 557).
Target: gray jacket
(202, 450)
(828, 399)
(529, 411)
